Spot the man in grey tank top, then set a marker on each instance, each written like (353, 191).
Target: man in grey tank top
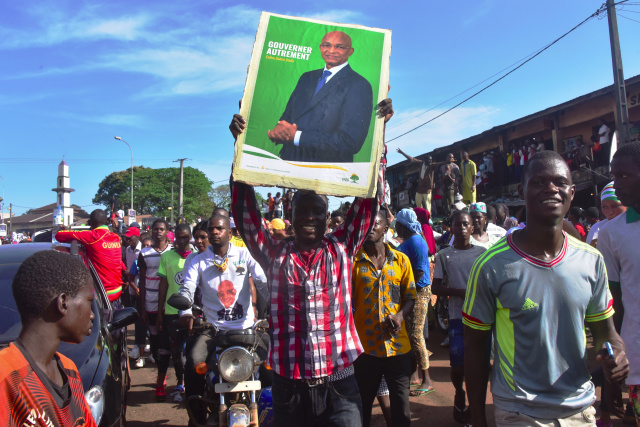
(537, 288)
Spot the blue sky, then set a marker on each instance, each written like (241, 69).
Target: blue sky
(167, 76)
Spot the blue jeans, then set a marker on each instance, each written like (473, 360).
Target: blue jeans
(456, 342)
(296, 404)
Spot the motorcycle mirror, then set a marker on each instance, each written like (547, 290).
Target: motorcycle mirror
(261, 324)
(122, 318)
(179, 301)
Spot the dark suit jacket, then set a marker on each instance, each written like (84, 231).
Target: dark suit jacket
(334, 122)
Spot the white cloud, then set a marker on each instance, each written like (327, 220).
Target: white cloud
(24, 99)
(53, 27)
(482, 10)
(454, 126)
(125, 28)
(337, 15)
(236, 18)
(130, 120)
(214, 67)
(186, 53)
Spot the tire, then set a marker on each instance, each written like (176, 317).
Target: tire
(442, 314)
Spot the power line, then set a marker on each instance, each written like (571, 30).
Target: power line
(467, 90)
(596, 13)
(630, 19)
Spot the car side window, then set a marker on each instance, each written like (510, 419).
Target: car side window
(98, 289)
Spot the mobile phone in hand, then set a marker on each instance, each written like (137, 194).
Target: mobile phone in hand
(390, 323)
(609, 349)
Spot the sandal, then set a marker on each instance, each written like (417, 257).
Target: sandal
(461, 415)
(421, 391)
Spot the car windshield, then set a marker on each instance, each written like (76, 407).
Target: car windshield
(10, 320)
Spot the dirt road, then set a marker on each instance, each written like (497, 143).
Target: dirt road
(433, 409)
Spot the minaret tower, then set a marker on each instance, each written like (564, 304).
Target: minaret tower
(63, 213)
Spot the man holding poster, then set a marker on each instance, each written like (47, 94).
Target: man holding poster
(314, 341)
(328, 114)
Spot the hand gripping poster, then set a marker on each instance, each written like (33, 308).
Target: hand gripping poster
(310, 106)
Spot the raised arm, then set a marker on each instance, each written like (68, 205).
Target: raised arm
(82, 236)
(252, 227)
(408, 157)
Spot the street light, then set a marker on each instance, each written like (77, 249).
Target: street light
(2, 199)
(120, 139)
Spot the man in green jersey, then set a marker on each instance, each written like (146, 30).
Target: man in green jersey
(537, 288)
(170, 339)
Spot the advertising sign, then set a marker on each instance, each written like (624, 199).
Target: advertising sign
(310, 105)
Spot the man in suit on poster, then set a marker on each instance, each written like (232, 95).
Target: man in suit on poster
(328, 115)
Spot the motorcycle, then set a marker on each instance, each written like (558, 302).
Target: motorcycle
(232, 372)
(442, 314)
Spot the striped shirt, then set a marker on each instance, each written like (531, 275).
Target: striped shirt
(150, 259)
(313, 334)
(539, 309)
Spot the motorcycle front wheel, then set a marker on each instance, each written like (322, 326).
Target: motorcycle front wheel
(442, 314)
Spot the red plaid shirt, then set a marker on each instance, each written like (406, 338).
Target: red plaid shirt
(313, 333)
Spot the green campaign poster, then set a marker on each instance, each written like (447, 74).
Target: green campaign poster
(310, 105)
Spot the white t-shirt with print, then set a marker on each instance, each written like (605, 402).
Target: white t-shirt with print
(226, 296)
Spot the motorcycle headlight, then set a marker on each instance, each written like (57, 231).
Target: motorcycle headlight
(235, 364)
(95, 399)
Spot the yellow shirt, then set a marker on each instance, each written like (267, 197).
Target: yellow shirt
(375, 295)
(237, 242)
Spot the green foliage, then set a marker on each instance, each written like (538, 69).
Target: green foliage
(152, 191)
(220, 196)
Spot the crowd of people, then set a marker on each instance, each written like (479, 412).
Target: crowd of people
(347, 294)
(440, 181)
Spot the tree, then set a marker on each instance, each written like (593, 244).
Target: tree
(152, 191)
(221, 196)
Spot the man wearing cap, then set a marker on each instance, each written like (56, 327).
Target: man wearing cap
(415, 247)
(611, 208)
(235, 240)
(484, 233)
(459, 204)
(278, 228)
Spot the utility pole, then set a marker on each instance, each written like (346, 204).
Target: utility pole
(622, 113)
(180, 205)
(10, 217)
(172, 204)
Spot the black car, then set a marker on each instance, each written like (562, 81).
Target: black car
(101, 358)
